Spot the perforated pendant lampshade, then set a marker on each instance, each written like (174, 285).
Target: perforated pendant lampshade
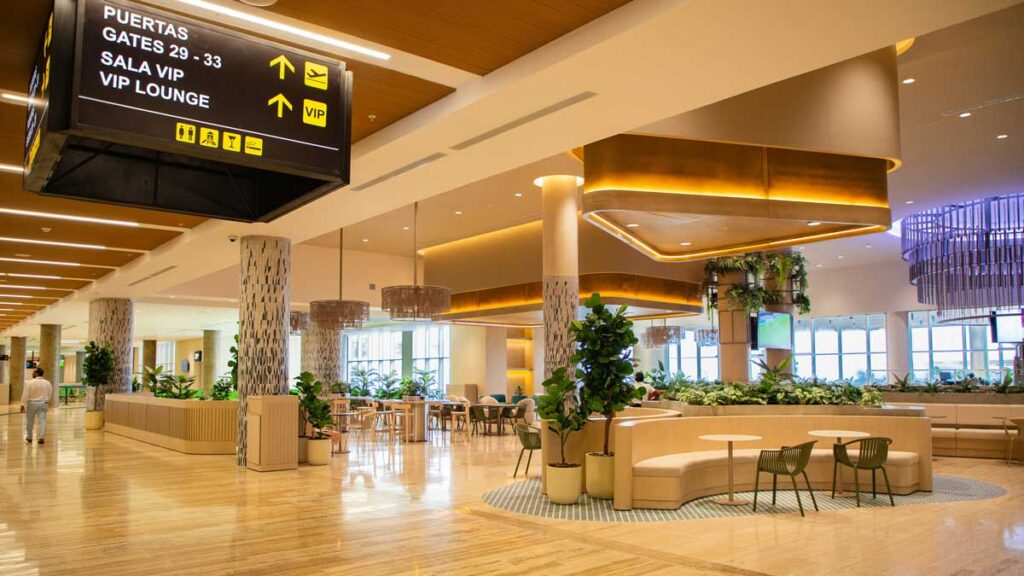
(414, 302)
(339, 314)
(661, 335)
(297, 322)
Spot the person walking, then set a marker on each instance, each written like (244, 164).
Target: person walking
(35, 397)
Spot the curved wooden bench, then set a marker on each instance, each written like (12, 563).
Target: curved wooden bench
(671, 480)
(662, 463)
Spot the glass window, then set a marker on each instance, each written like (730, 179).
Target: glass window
(165, 356)
(950, 352)
(850, 348)
(375, 351)
(430, 352)
(697, 362)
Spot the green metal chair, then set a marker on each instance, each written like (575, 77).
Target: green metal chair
(530, 439)
(789, 461)
(873, 455)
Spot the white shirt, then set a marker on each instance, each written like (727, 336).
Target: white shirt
(36, 390)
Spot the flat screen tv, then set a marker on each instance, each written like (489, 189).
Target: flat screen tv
(771, 330)
(1007, 328)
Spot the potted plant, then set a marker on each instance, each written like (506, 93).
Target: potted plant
(603, 365)
(97, 368)
(151, 377)
(176, 387)
(318, 414)
(309, 393)
(518, 394)
(561, 412)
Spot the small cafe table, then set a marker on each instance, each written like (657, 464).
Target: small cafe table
(343, 429)
(839, 435)
(730, 438)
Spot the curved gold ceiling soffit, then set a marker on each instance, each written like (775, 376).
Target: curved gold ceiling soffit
(903, 45)
(803, 160)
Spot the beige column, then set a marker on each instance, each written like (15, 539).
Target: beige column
(561, 266)
(17, 367)
(897, 345)
(4, 365)
(111, 320)
(263, 323)
(148, 355)
(211, 359)
(5, 385)
(733, 334)
(79, 364)
(49, 358)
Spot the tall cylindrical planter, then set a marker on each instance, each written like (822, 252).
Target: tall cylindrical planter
(600, 476)
(564, 484)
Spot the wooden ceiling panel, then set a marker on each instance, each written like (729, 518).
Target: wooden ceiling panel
(37, 295)
(61, 284)
(387, 95)
(82, 232)
(84, 256)
(472, 35)
(86, 272)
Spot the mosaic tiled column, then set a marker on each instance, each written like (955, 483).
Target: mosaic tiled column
(263, 323)
(111, 320)
(17, 367)
(321, 355)
(211, 359)
(561, 268)
(49, 358)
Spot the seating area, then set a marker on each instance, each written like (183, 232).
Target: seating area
(974, 430)
(663, 464)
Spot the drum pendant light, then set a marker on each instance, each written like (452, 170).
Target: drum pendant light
(339, 314)
(415, 302)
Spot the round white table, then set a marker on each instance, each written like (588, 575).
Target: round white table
(839, 435)
(730, 438)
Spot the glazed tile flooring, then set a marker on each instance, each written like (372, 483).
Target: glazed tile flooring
(95, 503)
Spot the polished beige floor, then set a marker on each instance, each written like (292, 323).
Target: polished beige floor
(99, 504)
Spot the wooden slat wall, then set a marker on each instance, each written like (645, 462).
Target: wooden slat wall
(189, 426)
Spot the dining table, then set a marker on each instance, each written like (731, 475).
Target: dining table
(731, 500)
(341, 419)
(839, 435)
(494, 415)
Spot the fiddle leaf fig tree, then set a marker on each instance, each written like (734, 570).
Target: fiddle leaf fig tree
(97, 368)
(560, 408)
(602, 361)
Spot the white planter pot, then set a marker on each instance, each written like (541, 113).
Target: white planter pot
(319, 451)
(564, 484)
(94, 420)
(600, 476)
(303, 450)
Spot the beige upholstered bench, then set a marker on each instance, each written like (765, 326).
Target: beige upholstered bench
(671, 480)
(971, 430)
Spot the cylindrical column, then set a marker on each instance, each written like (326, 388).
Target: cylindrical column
(776, 356)
(733, 334)
(561, 267)
(263, 323)
(49, 358)
(111, 321)
(148, 355)
(897, 345)
(211, 359)
(321, 355)
(3, 364)
(17, 366)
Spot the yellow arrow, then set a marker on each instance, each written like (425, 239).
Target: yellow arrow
(281, 102)
(283, 62)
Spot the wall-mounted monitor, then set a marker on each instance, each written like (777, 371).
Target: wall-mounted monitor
(1007, 328)
(197, 356)
(771, 330)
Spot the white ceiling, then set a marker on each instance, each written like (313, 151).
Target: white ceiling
(630, 59)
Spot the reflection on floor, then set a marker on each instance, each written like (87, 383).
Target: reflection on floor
(100, 504)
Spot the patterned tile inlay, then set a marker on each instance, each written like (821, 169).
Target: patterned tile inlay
(524, 497)
(561, 301)
(263, 323)
(111, 320)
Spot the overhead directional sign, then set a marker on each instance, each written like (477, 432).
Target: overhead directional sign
(144, 79)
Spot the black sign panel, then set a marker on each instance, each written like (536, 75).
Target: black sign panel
(169, 113)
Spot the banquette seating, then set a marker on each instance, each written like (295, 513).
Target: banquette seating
(971, 430)
(661, 463)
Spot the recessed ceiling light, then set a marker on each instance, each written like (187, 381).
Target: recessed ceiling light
(458, 212)
(840, 257)
(23, 255)
(685, 243)
(7, 310)
(632, 225)
(20, 287)
(814, 223)
(406, 228)
(52, 243)
(1002, 136)
(965, 114)
(11, 303)
(16, 296)
(40, 276)
(70, 217)
(909, 202)
(817, 265)
(286, 28)
(518, 194)
(11, 168)
(49, 262)
(366, 239)
(909, 81)
(867, 245)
